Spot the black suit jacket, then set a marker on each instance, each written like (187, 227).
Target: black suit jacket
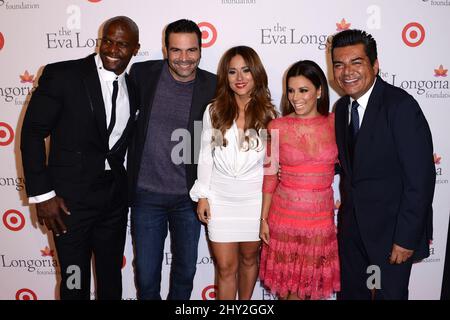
(146, 76)
(390, 186)
(68, 106)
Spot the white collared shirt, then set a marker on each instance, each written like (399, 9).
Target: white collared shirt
(122, 103)
(122, 113)
(362, 101)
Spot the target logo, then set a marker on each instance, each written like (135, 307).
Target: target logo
(2, 41)
(209, 34)
(13, 220)
(25, 294)
(413, 34)
(209, 293)
(6, 134)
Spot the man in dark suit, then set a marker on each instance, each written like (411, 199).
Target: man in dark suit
(173, 96)
(388, 175)
(88, 108)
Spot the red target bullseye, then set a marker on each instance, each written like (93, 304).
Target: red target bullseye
(13, 220)
(209, 34)
(25, 294)
(413, 34)
(6, 134)
(209, 293)
(2, 41)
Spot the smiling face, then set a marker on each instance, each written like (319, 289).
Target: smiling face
(183, 55)
(303, 95)
(118, 45)
(240, 77)
(353, 71)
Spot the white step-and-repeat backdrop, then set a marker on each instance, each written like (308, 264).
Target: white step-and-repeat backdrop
(413, 45)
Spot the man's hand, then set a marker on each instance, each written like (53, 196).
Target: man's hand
(203, 211)
(399, 254)
(50, 211)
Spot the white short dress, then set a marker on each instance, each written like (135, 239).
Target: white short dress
(231, 179)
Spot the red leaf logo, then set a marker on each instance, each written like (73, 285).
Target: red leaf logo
(437, 158)
(343, 25)
(440, 72)
(26, 77)
(47, 252)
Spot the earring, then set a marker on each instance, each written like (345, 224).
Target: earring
(318, 97)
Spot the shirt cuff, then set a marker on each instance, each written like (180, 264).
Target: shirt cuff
(198, 191)
(42, 197)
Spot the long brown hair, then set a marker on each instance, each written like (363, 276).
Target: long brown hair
(224, 109)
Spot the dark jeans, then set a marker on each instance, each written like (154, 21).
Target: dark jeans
(150, 216)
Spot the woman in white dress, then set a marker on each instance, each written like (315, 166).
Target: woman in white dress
(230, 170)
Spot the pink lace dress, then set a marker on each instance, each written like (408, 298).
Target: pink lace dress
(302, 256)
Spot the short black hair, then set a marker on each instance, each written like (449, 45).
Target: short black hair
(354, 36)
(126, 21)
(182, 26)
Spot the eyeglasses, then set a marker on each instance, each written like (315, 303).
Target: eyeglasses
(109, 43)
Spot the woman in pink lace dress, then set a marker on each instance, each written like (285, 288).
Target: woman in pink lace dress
(299, 258)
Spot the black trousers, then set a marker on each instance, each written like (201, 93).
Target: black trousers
(355, 260)
(96, 228)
